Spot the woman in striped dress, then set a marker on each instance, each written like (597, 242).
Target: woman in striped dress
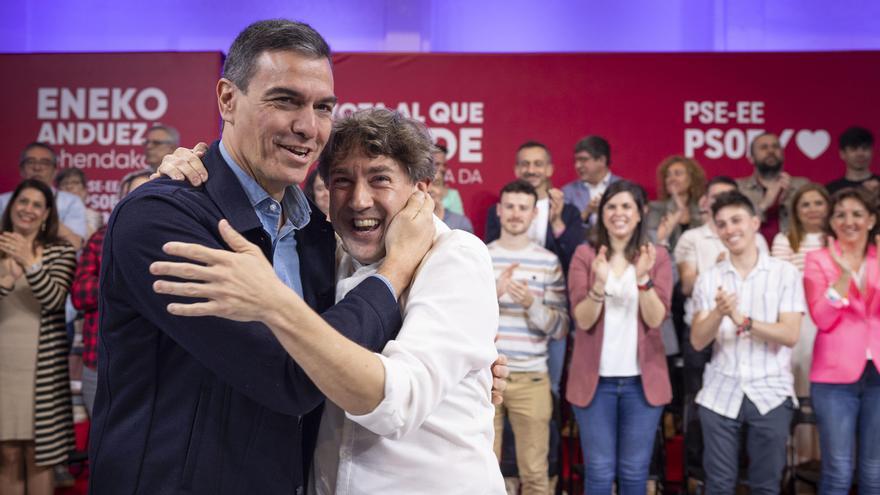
(36, 269)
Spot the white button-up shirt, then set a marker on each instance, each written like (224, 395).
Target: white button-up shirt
(745, 365)
(700, 248)
(433, 431)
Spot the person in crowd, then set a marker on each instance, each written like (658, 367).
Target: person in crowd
(73, 181)
(453, 220)
(160, 140)
(620, 289)
(805, 234)
(770, 188)
(557, 227)
(38, 161)
(36, 268)
(451, 198)
(317, 192)
(85, 293)
(856, 148)
(592, 162)
(212, 398)
(422, 401)
(749, 307)
(534, 309)
(842, 285)
(696, 251)
(681, 183)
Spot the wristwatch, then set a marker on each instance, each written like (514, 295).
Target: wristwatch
(746, 326)
(646, 286)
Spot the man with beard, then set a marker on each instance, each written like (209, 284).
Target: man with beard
(769, 188)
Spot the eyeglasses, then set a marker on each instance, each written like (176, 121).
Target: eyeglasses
(156, 142)
(37, 162)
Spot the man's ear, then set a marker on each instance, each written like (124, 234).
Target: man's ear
(549, 170)
(226, 96)
(422, 185)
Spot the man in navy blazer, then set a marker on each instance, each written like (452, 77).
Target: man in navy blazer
(207, 405)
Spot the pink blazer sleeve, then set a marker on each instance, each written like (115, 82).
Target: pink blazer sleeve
(661, 275)
(820, 272)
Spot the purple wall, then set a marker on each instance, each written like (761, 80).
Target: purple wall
(450, 25)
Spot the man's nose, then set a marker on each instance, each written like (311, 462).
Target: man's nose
(305, 122)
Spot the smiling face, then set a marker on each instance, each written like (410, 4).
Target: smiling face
(812, 210)
(29, 211)
(279, 126)
(621, 216)
(737, 228)
(677, 180)
(516, 211)
(851, 222)
(533, 165)
(365, 194)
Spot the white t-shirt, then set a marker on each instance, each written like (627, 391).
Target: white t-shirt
(620, 342)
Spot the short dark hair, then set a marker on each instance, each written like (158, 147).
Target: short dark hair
(535, 144)
(733, 198)
(309, 185)
(269, 36)
(855, 137)
(37, 144)
(440, 147)
(48, 234)
(70, 172)
(172, 132)
(721, 179)
(756, 138)
(599, 232)
(520, 186)
(380, 132)
(596, 146)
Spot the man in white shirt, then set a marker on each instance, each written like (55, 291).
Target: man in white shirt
(534, 309)
(38, 161)
(749, 307)
(416, 418)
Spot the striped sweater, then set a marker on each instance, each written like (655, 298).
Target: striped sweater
(523, 333)
(53, 413)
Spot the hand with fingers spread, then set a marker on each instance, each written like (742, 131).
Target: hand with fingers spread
(647, 258)
(503, 280)
(239, 285)
(185, 164)
(520, 293)
(409, 237)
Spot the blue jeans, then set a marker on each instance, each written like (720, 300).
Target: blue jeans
(846, 412)
(617, 432)
(556, 362)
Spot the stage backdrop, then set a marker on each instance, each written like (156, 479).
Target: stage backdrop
(94, 109)
(648, 106)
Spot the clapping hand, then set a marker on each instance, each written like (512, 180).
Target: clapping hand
(520, 293)
(726, 303)
(503, 280)
(17, 247)
(600, 266)
(10, 272)
(647, 258)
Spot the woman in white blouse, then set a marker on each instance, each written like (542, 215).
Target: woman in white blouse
(806, 233)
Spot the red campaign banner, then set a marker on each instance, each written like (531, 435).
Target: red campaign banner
(94, 109)
(648, 106)
(483, 107)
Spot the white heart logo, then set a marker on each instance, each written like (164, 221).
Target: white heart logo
(813, 143)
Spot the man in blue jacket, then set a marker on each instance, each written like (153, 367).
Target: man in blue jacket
(211, 406)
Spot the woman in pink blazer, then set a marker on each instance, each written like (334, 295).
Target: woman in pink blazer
(618, 381)
(842, 286)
